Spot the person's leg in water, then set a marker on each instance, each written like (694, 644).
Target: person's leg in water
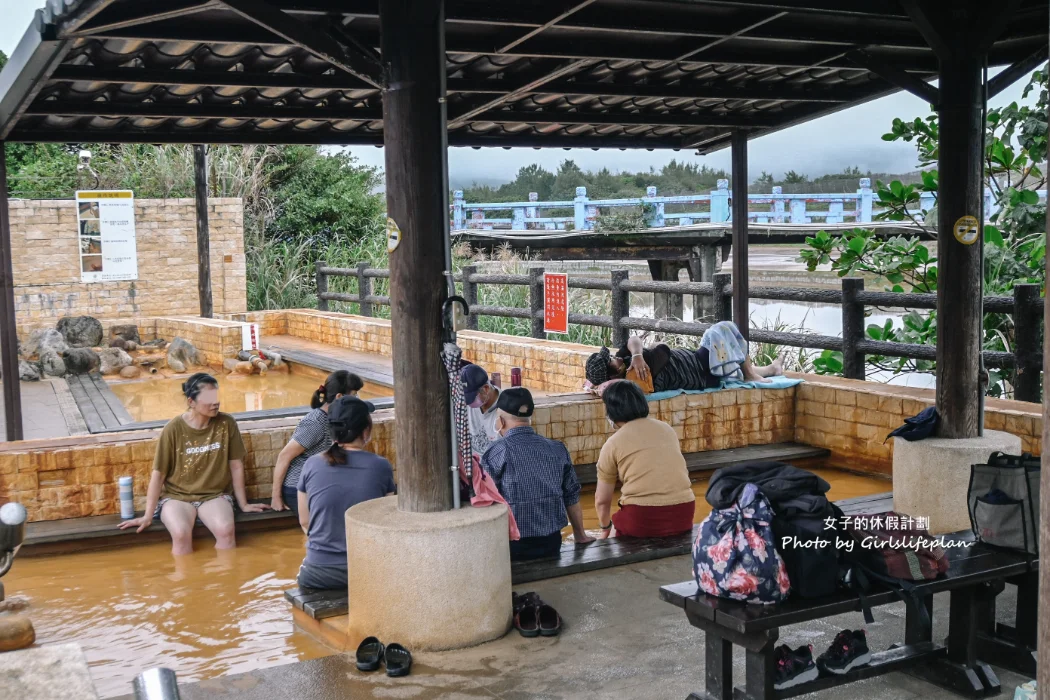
(217, 516)
(178, 517)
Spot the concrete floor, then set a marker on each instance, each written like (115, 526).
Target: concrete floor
(47, 411)
(620, 641)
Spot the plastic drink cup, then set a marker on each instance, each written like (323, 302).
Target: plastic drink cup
(127, 498)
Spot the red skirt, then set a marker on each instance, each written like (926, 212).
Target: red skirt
(654, 521)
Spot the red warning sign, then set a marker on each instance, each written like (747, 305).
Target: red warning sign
(555, 302)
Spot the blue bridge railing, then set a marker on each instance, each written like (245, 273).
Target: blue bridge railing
(685, 210)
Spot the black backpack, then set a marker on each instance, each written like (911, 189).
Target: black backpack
(813, 570)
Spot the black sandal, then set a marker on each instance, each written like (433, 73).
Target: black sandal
(398, 661)
(370, 654)
(549, 621)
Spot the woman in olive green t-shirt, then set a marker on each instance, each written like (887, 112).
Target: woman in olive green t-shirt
(198, 462)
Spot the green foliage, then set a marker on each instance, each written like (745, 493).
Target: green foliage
(624, 219)
(1014, 240)
(793, 178)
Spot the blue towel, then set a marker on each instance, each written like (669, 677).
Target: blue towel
(775, 383)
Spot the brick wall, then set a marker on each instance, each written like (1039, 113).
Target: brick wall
(852, 418)
(46, 261)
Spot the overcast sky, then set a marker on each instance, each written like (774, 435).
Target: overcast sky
(849, 138)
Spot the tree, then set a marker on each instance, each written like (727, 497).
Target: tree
(764, 180)
(793, 178)
(1014, 239)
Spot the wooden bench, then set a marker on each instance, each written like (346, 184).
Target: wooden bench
(574, 559)
(976, 575)
(100, 531)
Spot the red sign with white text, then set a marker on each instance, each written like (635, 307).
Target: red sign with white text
(555, 303)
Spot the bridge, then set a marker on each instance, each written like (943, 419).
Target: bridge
(699, 239)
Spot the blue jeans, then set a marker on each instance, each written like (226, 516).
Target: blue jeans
(291, 498)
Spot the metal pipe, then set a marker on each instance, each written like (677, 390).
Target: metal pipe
(156, 684)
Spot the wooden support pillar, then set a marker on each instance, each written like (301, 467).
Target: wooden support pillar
(412, 40)
(741, 314)
(961, 194)
(8, 327)
(666, 306)
(200, 182)
(1043, 641)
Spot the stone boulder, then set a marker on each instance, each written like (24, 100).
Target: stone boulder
(126, 332)
(155, 343)
(81, 331)
(131, 372)
(52, 364)
(42, 341)
(16, 632)
(112, 360)
(182, 355)
(29, 371)
(81, 360)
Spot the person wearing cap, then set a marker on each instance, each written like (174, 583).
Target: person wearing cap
(722, 355)
(536, 477)
(333, 481)
(481, 397)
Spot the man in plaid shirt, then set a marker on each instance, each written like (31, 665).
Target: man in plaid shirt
(536, 477)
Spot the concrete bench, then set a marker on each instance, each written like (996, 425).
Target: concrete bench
(975, 577)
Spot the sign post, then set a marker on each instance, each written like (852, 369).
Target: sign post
(106, 236)
(555, 303)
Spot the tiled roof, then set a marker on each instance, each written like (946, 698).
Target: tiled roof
(601, 73)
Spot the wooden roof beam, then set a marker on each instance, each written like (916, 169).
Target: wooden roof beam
(905, 81)
(121, 17)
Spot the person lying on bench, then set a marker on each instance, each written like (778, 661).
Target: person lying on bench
(199, 458)
(330, 484)
(656, 499)
(722, 355)
(536, 477)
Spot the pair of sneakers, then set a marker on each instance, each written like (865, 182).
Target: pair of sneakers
(795, 667)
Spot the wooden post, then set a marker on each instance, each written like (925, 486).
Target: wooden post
(723, 304)
(666, 307)
(8, 327)
(1026, 342)
(470, 293)
(200, 181)
(852, 328)
(620, 307)
(322, 284)
(741, 313)
(412, 40)
(364, 289)
(961, 194)
(536, 301)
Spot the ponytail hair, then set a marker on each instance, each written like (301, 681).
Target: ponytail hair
(344, 434)
(341, 382)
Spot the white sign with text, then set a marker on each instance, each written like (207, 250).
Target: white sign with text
(106, 236)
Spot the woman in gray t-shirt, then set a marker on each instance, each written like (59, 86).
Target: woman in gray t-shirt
(331, 482)
(311, 437)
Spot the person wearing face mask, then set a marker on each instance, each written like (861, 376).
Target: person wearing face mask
(536, 477)
(333, 481)
(656, 499)
(481, 398)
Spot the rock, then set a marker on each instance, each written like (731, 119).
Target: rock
(150, 360)
(229, 364)
(131, 345)
(244, 368)
(81, 360)
(43, 341)
(16, 603)
(52, 364)
(81, 331)
(119, 343)
(16, 632)
(29, 371)
(182, 355)
(156, 343)
(126, 332)
(131, 372)
(112, 360)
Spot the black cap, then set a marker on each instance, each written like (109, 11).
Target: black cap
(349, 414)
(517, 402)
